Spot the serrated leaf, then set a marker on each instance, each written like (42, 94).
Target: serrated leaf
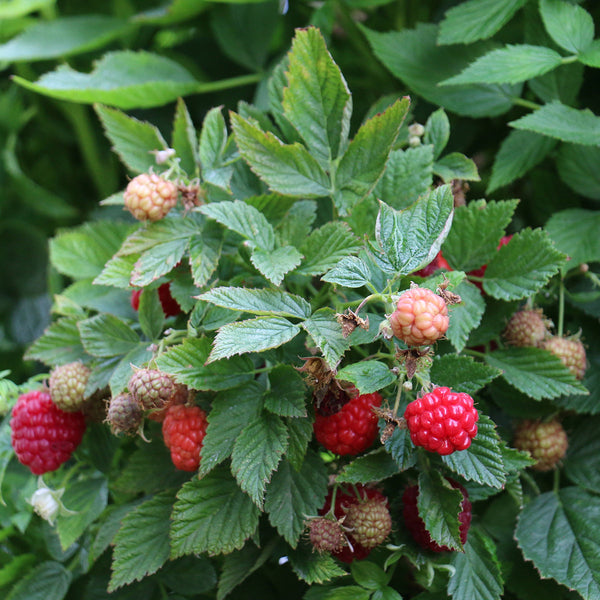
(141, 545)
(238, 566)
(351, 272)
(326, 333)
(286, 396)
(577, 168)
(110, 522)
(437, 132)
(59, 344)
(591, 55)
(252, 335)
(476, 20)
(521, 267)
(582, 463)
(562, 122)
(364, 161)
(275, 264)
(213, 139)
(314, 567)
(205, 252)
(535, 372)
(257, 452)
(184, 139)
(368, 376)
(482, 461)
(150, 314)
(189, 574)
(374, 466)
(138, 355)
(456, 166)
(461, 373)
(574, 233)
(478, 574)
(117, 271)
(294, 494)
(300, 431)
(48, 581)
(558, 525)
(588, 403)
(317, 101)
(106, 335)
(466, 316)
(569, 25)
(212, 515)
(401, 449)
(369, 575)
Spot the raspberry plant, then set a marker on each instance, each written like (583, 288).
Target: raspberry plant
(298, 226)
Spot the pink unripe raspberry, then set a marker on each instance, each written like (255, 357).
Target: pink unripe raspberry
(527, 328)
(546, 442)
(420, 318)
(570, 351)
(149, 197)
(326, 535)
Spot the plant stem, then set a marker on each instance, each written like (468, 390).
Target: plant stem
(561, 308)
(556, 485)
(526, 103)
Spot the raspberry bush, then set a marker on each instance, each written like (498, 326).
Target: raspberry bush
(307, 342)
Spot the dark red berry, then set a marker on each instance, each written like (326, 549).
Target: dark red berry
(169, 305)
(184, 428)
(439, 262)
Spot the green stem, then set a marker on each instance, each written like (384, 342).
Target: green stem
(230, 82)
(526, 103)
(531, 481)
(561, 308)
(474, 353)
(569, 59)
(556, 485)
(398, 395)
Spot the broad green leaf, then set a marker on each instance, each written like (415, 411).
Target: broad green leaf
(478, 574)
(117, 272)
(59, 344)
(316, 100)
(326, 246)
(535, 372)
(585, 404)
(408, 175)
(109, 522)
(582, 464)
(370, 576)
(213, 139)
(401, 449)
(48, 581)
(511, 64)
(11, 9)
(150, 314)
(437, 131)
(158, 261)
(256, 454)
(294, 494)
(187, 363)
(259, 301)
(519, 153)
(523, 266)
(106, 335)
(456, 166)
(466, 316)
(326, 333)
(195, 574)
(562, 122)
(286, 395)
(375, 466)
(351, 272)
(574, 231)
(461, 373)
(363, 163)
(140, 354)
(313, 567)
(368, 376)
(184, 139)
(205, 252)
(301, 433)
(16, 567)
(482, 461)
(569, 25)
(297, 224)
(238, 566)
(141, 546)
(577, 168)
(275, 264)
(555, 526)
(476, 20)
(286, 168)
(591, 56)
(212, 515)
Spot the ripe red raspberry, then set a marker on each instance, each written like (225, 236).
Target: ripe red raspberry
(546, 442)
(416, 526)
(420, 318)
(439, 262)
(149, 197)
(151, 388)
(170, 306)
(125, 414)
(326, 535)
(183, 430)
(351, 430)
(481, 271)
(370, 521)
(527, 328)
(43, 436)
(67, 386)
(570, 351)
(442, 421)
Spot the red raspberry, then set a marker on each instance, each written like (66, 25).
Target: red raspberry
(67, 386)
(351, 430)
(420, 318)
(546, 442)
(149, 197)
(442, 421)
(183, 430)
(527, 328)
(125, 414)
(169, 305)
(570, 351)
(370, 521)
(439, 262)
(481, 271)
(326, 535)
(416, 525)
(43, 436)
(151, 388)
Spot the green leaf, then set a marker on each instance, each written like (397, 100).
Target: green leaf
(252, 335)
(117, 272)
(588, 403)
(574, 233)
(466, 316)
(411, 238)
(256, 454)
(274, 264)
(205, 252)
(48, 581)
(535, 372)
(437, 132)
(238, 566)
(351, 272)
(213, 141)
(577, 168)
(461, 373)
(286, 168)
(482, 461)
(401, 449)
(184, 139)
(591, 56)
(569, 25)
(294, 494)
(562, 122)
(519, 153)
(456, 166)
(326, 333)
(187, 363)
(141, 546)
(212, 515)
(368, 376)
(313, 567)
(301, 433)
(555, 526)
(369, 575)
(150, 314)
(476, 20)
(364, 161)
(106, 335)
(297, 224)
(582, 464)
(511, 64)
(59, 344)
(138, 355)
(189, 574)
(63, 37)
(375, 466)
(476, 232)
(11, 9)
(317, 101)
(286, 395)
(478, 574)
(523, 266)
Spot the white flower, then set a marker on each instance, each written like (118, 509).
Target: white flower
(47, 502)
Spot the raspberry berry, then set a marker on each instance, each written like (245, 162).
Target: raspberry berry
(442, 421)
(352, 429)
(570, 351)
(125, 414)
(170, 306)
(416, 525)
(546, 442)
(151, 388)
(439, 262)
(420, 318)
(527, 328)
(370, 521)
(181, 395)
(67, 386)
(183, 430)
(44, 436)
(326, 535)
(149, 197)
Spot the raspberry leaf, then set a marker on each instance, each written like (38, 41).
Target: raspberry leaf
(456, 166)
(300, 431)
(59, 344)
(286, 395)
(205, 252)
(466, 316)
(351, 272)
(582, 464)
(368, 376)
(48, 581)
(462, 373)
(570, 26)
(184, 139)
(375, 466)
(575, 165)
(369, 575)
(276, 263)
(437, 131)
(106, 335)
(150, 314)
(313, 567)
(238, 566)
(326, 333)
(401, 449)
(573, 233)
(117, 271)
(213, 149)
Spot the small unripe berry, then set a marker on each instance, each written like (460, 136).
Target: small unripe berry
(546, 442)
(67, 386)
(149, 197)
(125, 414)
(526, 328)
(151, 388)
(570, 351)
(326, 535)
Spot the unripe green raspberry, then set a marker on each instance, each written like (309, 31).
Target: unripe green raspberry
(149, 197)
(125, 414)
(570, 351)
(546, 442)
(369, 521)
(527, 328)
(151, 388)
(67, 386)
